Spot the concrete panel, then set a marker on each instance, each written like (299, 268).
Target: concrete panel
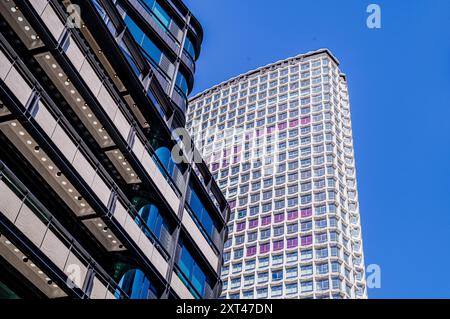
(46, 121)
(148, 163)
(200, 239)
(18, 86)
(138, 148)
(74, 54)
(83, 167)
(52, 22)
(64, 143)
(90, 77)
(172, 199)
(122, 124)
(39, 5)
(146, 246)
(180, 289)
(132, 229)
(5, 66)
(98, 290)
(54, 249)
(101, 189)
(107, 102)
(9, 202)
(159, 262)
(120, 213)
(31, 226)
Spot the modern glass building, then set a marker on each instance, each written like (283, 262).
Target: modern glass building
(279, 141)
(92, 205)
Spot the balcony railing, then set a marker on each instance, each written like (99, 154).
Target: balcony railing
(52, 231)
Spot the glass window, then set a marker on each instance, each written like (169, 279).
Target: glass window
(163, 18)
(156, 223)
(151, 49)
(189, 48)
(191, 270)
(291, 272)
(136, 285)
(202, 213)
(137, 33)
(181, 83)
(263, 277)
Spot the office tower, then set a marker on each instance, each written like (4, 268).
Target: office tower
(278, 140)
(92, 205)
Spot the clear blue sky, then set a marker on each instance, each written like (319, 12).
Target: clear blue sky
(399, 85)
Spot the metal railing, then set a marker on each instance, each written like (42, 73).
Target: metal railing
(54, 227)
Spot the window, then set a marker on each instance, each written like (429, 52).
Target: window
(291, 288)
(277, 259)
(253, 223)
(306, 254)
(238, 253)
(156, 222)
(322, 268)
(305, 212)
(336, 283)
(249, 280)
(239, 240)
(292, 242)
(252, 236)
(202, 214)
(181, 83)
(321, 223)
(321, 238)
(137, 286)
(243, 212)
(292, 228)
(235, 282)
(262, 293)
(278, 231)
(251, 251)
(263, 262)
(306, 270)
(277, 275)
(306, 174)
(265, 220)
(291, 257)
(306, 286)
(264, 248)
(292, 215)
(189, 48)
(306, 226)
(322, 284)
(237, 267)
(263, 277)
(291, 272)
(322, 253)
(279, 217)
(265, 233)
(277, 290)
(240, 226)
(278, 245)
(192, 270)
(225, 270)
(250, 264)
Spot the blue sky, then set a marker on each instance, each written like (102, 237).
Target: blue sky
(399, 85)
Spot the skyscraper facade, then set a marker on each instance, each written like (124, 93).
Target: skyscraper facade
(92, 204)
(278, 140)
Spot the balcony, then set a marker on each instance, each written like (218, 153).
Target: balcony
(39, 226)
